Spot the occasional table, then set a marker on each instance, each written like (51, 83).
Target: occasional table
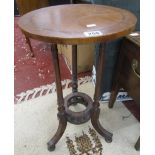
(75, 24)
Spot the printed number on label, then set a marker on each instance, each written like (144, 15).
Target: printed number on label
(92, 33)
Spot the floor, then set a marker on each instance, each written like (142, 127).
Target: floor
(39, 122)
(31, 72)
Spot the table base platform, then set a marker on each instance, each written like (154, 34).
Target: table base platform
(78, 118)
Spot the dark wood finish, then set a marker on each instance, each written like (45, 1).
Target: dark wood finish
(127, 75)
(82, 116)
(61, 128)
(96, 111)
(74, 69)
(25, 6)
(80, 1)
(137, 145)
(61, 109)
(30, 46)
(60, 98)
(66, 24)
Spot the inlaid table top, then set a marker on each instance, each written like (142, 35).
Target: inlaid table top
(77, 23)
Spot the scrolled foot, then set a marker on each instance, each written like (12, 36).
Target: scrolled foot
(61, 128)
(50, 147)
(108, 139)
(96, 124)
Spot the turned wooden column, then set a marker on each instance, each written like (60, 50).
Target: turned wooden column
(74, 69)
(61, 110)
(55, 60)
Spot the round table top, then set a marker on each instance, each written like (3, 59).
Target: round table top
(77, 23)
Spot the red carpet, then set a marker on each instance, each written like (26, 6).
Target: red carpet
(33, 72)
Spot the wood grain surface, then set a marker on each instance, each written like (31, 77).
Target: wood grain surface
(69, 24)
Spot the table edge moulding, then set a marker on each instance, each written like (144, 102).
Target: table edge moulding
(125, 23)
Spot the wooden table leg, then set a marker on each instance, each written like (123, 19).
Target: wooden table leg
(61, 109)
(137, 145)
(96, 110)
(74, 69)
(115, 81)
(29, 43)
(114, 93)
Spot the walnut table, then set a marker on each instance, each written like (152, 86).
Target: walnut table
(75, 24)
